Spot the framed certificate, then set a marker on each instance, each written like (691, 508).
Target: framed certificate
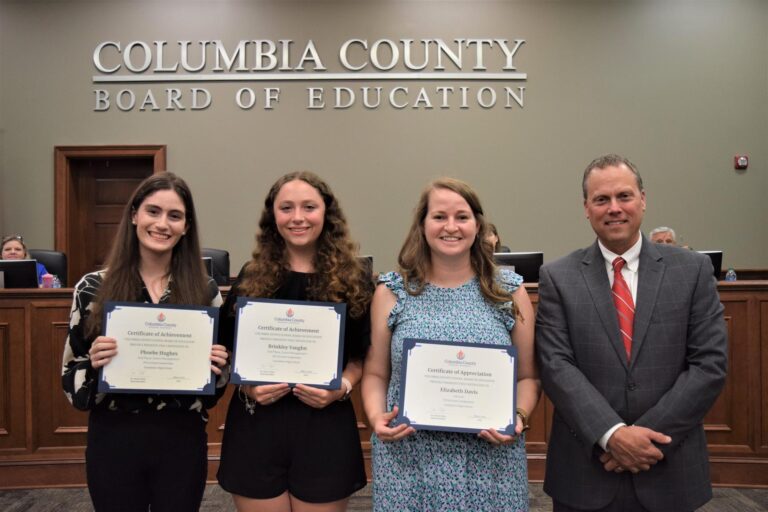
(161, 348)
(458, 387)
(283, 341)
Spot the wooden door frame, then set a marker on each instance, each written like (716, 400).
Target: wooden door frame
(64, 180)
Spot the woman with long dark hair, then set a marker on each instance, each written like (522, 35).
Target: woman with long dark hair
(144, 450)
(298, 449)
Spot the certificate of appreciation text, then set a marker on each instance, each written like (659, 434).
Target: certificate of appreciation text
(458, 387)
(161, 348)
(282, 341)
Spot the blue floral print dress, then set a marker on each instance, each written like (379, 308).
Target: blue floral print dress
(432, 471)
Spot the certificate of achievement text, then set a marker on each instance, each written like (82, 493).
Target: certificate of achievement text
(161, 348)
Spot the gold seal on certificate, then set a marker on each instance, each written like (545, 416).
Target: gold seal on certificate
(282, 341)
(458, 387)
(161, 348)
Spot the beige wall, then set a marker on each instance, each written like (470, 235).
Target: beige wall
(678, 86)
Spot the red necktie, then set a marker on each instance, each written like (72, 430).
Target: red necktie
(625, 306)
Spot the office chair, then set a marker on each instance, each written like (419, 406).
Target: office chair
(220, 259)
(55, 263)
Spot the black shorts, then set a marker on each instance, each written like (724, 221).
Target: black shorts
(314, 454)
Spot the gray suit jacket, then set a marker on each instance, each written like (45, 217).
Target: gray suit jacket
(676, 371)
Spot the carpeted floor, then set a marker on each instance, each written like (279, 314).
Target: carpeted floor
(217, 500)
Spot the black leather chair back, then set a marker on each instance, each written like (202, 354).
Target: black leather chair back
(55, 263)
(220, 259)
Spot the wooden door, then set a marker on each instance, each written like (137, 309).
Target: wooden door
(103, 187)
(93, 184)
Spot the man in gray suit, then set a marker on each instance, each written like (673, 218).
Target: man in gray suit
(632, 345)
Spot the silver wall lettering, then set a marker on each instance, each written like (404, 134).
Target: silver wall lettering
(315, 98)
(149, 99)
(343, 57)
(159, 64)
(173, 97)
(197, 93)
(510, 55)
(121, 102)
(125, 100)
(184, 46)
(394, 54)
(222, 55)
(245, 98)
(102, 100)
(408, 61)
(144, 50)
(97, 57)
(268, 61)
(310, 55)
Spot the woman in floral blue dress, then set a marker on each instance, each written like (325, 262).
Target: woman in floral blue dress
(447, 289)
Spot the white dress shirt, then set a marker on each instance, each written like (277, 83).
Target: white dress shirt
(629, 273)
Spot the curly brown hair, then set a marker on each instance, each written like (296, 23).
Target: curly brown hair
(415, 256)
(339, 275)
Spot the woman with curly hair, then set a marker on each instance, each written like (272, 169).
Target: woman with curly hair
(448, 288)
(298, 449)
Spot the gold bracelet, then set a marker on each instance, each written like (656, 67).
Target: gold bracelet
(523, 416)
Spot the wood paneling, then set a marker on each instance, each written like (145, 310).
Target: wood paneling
(59, 425)
(13, 372)
(761, 382)
(725, 425)
(5, 380)
(42, 436)
(102, 188)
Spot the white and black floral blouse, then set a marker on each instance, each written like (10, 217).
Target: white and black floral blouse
(80, 379)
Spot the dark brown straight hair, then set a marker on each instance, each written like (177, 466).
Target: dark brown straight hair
(122, 282)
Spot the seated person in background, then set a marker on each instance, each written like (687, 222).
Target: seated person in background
(13, 248)
(663, 235)
(493, 239)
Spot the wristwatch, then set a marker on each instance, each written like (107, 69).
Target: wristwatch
(347, 387)
(523, 416)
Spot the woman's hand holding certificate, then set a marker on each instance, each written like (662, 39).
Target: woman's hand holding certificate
(380, 425)
(219, 357)
(266, 394)
(102, 351)
(154, 348)
(495, 437)
(460, 387)
(316, 397)
(280, 341)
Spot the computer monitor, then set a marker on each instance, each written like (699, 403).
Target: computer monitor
(18, 274)
(526, 264)
(717, 261)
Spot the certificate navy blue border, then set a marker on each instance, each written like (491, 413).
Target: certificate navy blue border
(207, 389)
(402, 415)
(341, 309)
